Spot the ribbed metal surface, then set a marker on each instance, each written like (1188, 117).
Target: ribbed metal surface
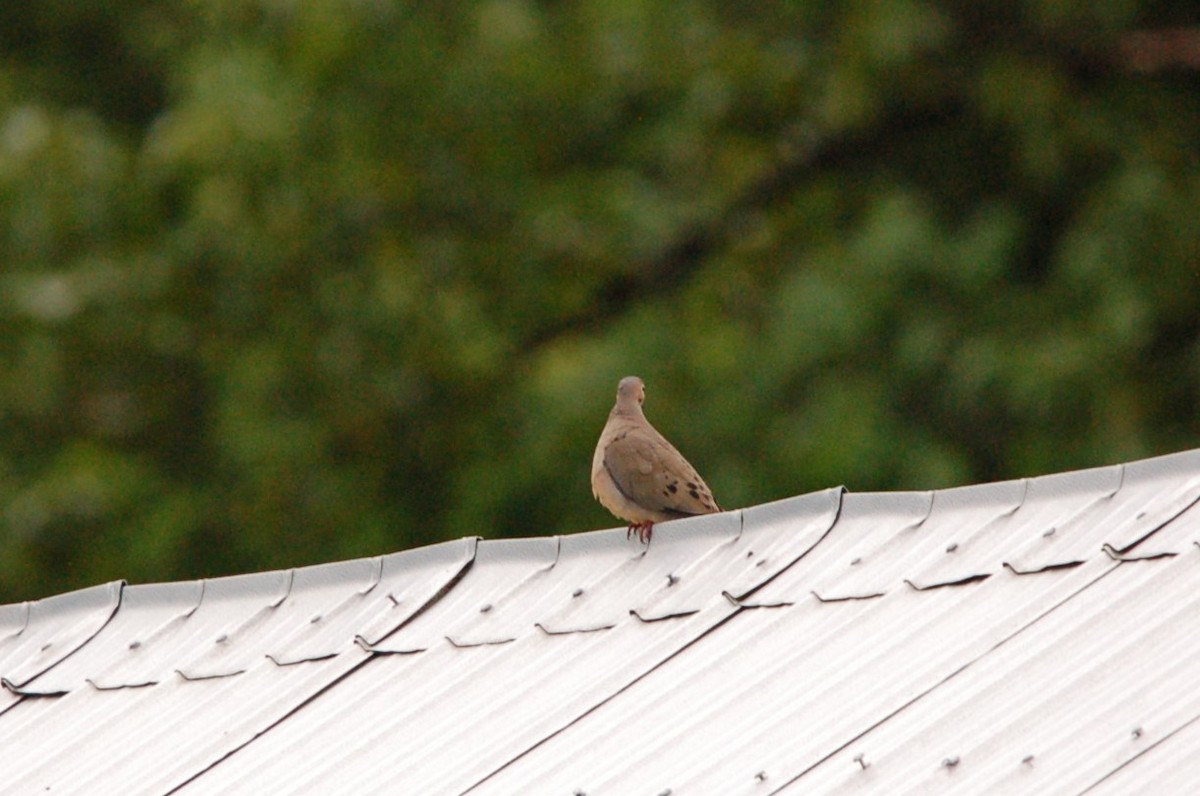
(537, 635)
(890, 683)
(182, 675)
(1034, 636)
(38, 636)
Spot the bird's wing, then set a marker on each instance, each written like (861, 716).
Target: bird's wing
(651, 473)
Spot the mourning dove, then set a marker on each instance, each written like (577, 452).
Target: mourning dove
(638, 475)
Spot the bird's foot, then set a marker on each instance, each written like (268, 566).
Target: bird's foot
(643, 529)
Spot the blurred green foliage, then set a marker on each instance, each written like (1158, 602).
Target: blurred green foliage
(282, 283)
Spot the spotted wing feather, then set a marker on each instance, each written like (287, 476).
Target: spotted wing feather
(650, 472)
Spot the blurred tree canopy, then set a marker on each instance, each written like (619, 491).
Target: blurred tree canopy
(284, 282)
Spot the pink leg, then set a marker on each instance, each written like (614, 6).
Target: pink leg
(644, 529)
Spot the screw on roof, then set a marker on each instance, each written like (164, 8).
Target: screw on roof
(1137, 733)
(1028, 760)
(950, 762)
(672, 580)
(577, 593)
(862, 761)
(952, 547)
(761, 776)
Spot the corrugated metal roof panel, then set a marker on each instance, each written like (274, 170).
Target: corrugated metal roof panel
(818, 686)
(1170, 764)
(223, 626)
(436, 722)
(1075, 697)
(54, 628)
(857, 562)
(773, 692)
(150, 739)
(1149, 495)
(157, 699)
(527, 644)
(1027, 636)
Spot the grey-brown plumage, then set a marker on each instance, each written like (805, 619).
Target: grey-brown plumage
(638, 475)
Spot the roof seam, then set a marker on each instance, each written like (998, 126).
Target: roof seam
(842, 747)
(18, 688)
(327, 687)
(1141, 753)
(1182, 510)
(596, 706)
(737, 609)
(837, 514)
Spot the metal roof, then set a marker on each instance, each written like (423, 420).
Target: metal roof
(1031, 636)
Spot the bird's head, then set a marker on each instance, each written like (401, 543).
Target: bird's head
(631, 392)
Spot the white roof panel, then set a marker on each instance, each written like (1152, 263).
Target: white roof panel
(1028, 636)
(185, 674)
(536, 634)
(774, 691)
(42, 634)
